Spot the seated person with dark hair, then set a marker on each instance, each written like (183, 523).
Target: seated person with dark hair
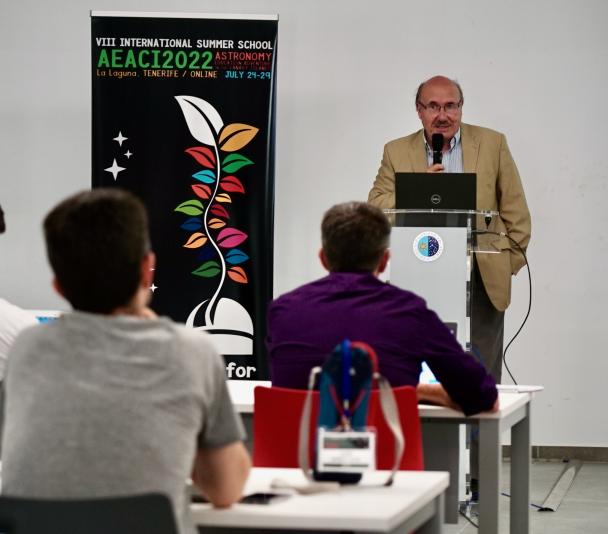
(111, 400)
(305, 324)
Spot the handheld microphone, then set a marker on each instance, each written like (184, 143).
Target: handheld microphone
(437, 144)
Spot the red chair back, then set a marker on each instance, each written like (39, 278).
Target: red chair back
(276, 427)
(413, 458)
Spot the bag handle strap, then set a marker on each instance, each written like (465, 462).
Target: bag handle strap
(391, 416)
(390, 411)
(303, 459)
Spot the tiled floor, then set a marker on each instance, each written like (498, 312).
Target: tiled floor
(584, 509)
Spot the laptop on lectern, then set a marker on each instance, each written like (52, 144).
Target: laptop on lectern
(436, 190)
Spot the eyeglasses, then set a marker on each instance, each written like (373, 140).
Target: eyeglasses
(451, 108)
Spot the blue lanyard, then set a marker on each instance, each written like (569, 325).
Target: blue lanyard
(346, 377)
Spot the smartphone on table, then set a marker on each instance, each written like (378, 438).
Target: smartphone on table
(252, 498)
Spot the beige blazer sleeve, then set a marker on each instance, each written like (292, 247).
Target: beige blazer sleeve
(382, 193)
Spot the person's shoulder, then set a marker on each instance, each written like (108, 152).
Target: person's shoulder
(188, 337)
(481, 132)
(189, 353)
(411, 305)
(405, 141)
(31, 341)
(409, 298)
(193, 349)
(300, 293)
(36, 333)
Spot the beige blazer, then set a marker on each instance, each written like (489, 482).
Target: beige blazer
(485, 152)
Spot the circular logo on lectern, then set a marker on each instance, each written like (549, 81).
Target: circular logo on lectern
(435, 199)
(428, 246)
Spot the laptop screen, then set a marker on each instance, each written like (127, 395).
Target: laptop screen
(435, 190)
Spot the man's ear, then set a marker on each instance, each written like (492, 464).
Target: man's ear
(57, 287)
(323, 259)
(148, 264)
(386, 255)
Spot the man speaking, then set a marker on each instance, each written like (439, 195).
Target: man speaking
(446, 144)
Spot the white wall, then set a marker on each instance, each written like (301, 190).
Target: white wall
(347, 74)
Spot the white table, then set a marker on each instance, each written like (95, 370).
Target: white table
(413, 502)
(241, 393)
(440, 428)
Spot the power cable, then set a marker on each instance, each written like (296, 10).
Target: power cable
(521, 250)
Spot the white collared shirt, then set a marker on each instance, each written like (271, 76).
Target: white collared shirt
(452, 159)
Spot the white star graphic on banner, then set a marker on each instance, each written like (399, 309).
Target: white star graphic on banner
(153, 287)
(120, 138)
(128, 153)
(115, 169)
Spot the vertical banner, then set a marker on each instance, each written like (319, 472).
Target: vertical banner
(183, 116)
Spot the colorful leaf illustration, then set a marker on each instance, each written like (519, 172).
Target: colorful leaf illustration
(223, 197)
(214, 185)
(237, 274)
(232, 184)
(201, 191)
(190, 207)
(230, 237)
(235, 136)
(216, 224)
(196, 240)
(203, 120)
(202, 155)
(236, 256)
(234, 162)
(192, 224)
(208, 269)
(219, 211)
(206, 176)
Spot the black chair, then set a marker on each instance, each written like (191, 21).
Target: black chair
(139, 514)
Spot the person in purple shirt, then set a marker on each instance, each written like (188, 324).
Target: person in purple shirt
(305, 324)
